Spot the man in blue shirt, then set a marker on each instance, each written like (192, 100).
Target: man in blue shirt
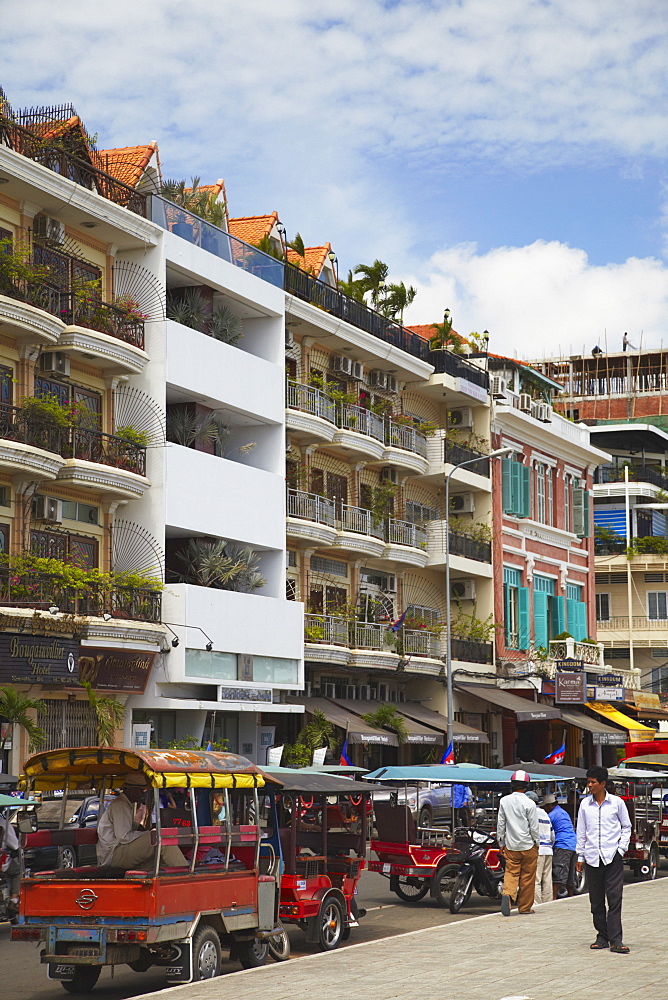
(564, 876)
(604, 831)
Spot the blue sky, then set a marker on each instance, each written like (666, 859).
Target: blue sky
(508, 159)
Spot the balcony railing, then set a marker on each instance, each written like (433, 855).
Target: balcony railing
(405, 533)
(88, 444)
(445, 362)
(614, 547)
(408, 438)
(418, 642)
(103, 317)
(203, 234)
(637, 474)
(311, 507)
(360, 521)
(308, 399)
(83, 172)
(455, 454)
(326, 628)
(472, 650)
(42, 591)
(335, 631)
(356, 418)
(621, 623)
(590, 653)
(469, 548)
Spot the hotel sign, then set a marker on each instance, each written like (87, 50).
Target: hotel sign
(32, 659)
(115, 669)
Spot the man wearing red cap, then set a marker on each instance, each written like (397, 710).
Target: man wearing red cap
(518, 834)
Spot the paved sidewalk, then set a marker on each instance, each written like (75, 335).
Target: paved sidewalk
(541, 957)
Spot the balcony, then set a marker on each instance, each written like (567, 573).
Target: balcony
(406, 447)
(28, 445)
(469, 548)
(105, 463)
(472, 651)
(311, 414)
(620, 623)
(445, 362)
(358, 532)
(86, 173)
(591, 653)
(330, 630)
(43, 590)
(637, 474)
(360, 431)
(28, 321)
(455, 454)
(310, 517)
(406, 542)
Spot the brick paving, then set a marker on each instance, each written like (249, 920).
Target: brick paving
(540, 957)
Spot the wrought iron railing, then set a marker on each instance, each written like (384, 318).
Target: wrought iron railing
(612, 547)
(88, 444)
(637, 474)
(356, 418)
(360, 521)
(455, 454)
(311, 507)
(92, 313)
(37, 590)
(83, 172)
(472, 650)
(405, 533)
(407, 438)
(445, 362)
(469, 548)
(308, 399)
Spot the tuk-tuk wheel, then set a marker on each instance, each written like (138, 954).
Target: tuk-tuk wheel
(648, 871)
(408, 888)
(330, 924)
(84, 979)
(279, 946)
(206, 954)
(252, 954)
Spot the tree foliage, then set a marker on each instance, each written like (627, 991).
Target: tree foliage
(16, 709)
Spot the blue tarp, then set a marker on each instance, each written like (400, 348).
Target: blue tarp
(465, 774)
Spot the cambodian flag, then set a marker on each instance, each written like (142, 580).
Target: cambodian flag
(345, 760)
(395, 626)
(557, 757)
(449, 755)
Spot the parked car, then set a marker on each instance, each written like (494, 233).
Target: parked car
(79, 813)
(430, 804)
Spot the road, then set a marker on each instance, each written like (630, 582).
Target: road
(24, 978)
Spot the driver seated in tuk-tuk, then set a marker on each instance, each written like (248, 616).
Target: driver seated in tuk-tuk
(123, 834)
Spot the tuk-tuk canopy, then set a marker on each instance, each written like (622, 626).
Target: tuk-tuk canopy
(461, 774)
(86, 766)
(653, 761)
(317, 783)
(11, 801)
(636, 774)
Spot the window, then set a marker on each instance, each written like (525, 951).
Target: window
(61, 545)
(567, 503)
(516, 610)
(74, 511)
(657, 605)
(581, 511)
(290, 558)
(576, 611)
(540, 507)
(516, 487)
(4, 496)
(330, 566)
(549, 498)
(603, 607)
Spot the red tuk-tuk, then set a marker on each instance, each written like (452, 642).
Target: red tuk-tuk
(179, 918)
(644, 793)
(321, 832)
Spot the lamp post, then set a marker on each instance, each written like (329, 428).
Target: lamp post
(448, 609)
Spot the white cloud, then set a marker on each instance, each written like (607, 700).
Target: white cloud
(545, 299)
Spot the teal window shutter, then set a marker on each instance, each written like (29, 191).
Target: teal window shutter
(558, 615)
(582, 620)
(506, 614)
(586, 514)
(540, 621)
(523, 615)
(581, 512)
(573, 617)
(507, 486)
(525, 491)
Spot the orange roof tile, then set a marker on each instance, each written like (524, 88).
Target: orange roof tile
(251, 228)
(313, 260)
(428, 330)
(128, 163)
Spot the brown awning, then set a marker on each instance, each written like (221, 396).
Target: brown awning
(358, 730)
(525, 710)
(417, 733)
(427, 716)
(601, 733)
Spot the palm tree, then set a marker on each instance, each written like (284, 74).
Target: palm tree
(15, 708)
(397, 298)
(109, 715)
(267, 245)
(445, 338)
(353, 289)
(387, 717)
(318, 732)
(373, 280)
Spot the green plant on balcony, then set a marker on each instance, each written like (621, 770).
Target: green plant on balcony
(48, 409)
(650, 545)
(382, 500)
(190, 429)
(476, 530)
(314, 631)
(333, 390)
(193, 199)
(387, 717)
(132, 436)
(562, 637)
(468, 626)
(445, 338)
(128, 310)
(20, 278)
(209, 562)
(193, 310)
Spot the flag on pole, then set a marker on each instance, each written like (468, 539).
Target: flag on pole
(557, 757)
(345, 760)
(449, 755)
(395, 626)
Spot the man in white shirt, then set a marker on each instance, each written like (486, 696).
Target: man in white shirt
(603, 834)
(123, 840)
(543, 892)
(9, 847)
(518, 835)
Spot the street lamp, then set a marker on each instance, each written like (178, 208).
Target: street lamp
(448, 638)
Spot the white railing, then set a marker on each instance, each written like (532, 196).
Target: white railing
(311, 507)
(406, 533)
(326, 628)
(368, 635)
(359, 520)
(621, 623)
(356, 418)
(408, 438)
(590, 653)
(419, 642)
(308, 399)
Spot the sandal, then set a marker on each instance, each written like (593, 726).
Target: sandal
(599, 945)
(620, 949)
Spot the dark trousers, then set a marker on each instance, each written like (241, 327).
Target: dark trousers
(607, 881)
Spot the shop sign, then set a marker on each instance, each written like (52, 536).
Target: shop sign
(569, 665)
(610, 680)
(645, 699)
(244, 667)
(33, 659)
(115, 669)
(609, 739)
(608, 694)
(570, 689)
(473, 390)
(245, 694)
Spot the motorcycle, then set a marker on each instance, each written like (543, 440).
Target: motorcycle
(8, 910)
(482, 869)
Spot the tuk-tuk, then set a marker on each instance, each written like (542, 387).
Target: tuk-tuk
(426, 859)
(321, 831)
(180, 918)
(645, 794)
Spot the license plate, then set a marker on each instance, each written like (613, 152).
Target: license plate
(387, 869)
(60, 972)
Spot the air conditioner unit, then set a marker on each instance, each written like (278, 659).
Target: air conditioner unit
(544, 412)
(378, 379)
(461, 418)
(401, 696)
(357, 371)
(525, 402)
(499, 386)
(391, 384)
(462, 590)
(54, 363)
(330, 690)
(47, 509)
(47, 228)
(342, 364)
(388, 474)
(364, 692)
(391, 585)
(462, 503)
(289, 338)
(383, 692)
(351, 692)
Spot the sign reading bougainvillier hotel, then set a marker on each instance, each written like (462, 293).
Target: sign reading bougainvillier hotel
(38, 659)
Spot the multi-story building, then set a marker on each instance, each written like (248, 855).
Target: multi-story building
(143, 433)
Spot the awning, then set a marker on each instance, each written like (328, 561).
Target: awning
(525, 710)
(635, 729)
(358, 730)
(460, 732)
(603, 735)
(646, 704)
(417, 733)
